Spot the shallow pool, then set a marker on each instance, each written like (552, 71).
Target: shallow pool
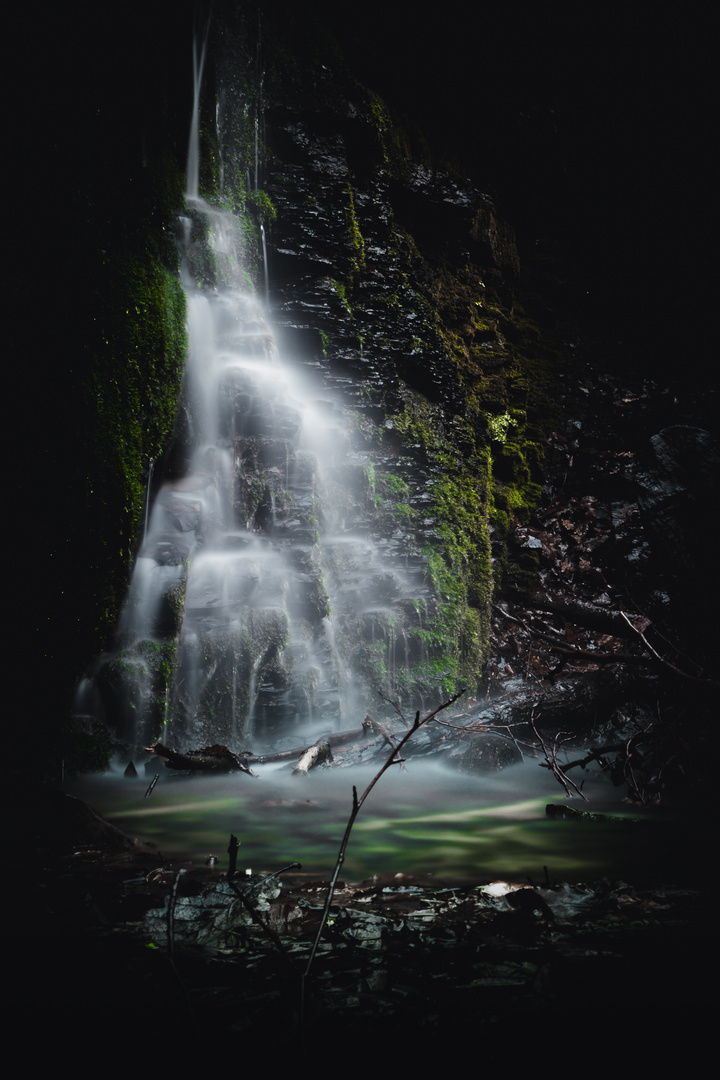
(422, 819)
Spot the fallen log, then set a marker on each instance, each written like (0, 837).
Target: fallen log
(209, 759)
(573, 652)
(616, 623)
(316, 754)
(588, 615)
(339, 738)
(568, 813)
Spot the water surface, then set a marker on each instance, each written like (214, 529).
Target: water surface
(421, 820)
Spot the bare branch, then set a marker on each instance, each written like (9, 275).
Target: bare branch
(551, 761)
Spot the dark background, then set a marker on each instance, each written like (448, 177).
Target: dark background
(590, 126)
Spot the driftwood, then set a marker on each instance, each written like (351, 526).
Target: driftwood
(317, 754)
(209, 759)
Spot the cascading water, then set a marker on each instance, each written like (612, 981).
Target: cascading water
(258, 602)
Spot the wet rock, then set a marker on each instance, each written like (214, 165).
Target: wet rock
(485, 752)
(215, 915)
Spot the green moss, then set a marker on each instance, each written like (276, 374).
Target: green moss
(263, 205)
(394, 139)
(355, 238)
(133, 385)
(130, 393)
(461, 506)
(498, 426)
(395, 485)
(459, 565)
(341, 290)
(420, 422)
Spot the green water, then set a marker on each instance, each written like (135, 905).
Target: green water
(423, 820)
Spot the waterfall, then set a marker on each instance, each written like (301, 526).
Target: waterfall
(265, 264)
(259, 602)
(147, 494)
(193, 161)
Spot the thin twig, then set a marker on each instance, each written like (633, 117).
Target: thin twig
(670, 644)
(357, 804)
(666, 663)
(172, 901)
(395, 706)
(277, 873)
